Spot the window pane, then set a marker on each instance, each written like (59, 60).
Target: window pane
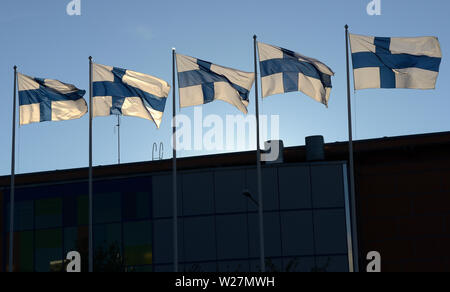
(107, 235)
(48, 213)
(230, 186)
(330, 232)
(328, 186)
(136, 206)
(300, 264)
(333, 264)
(107, 208)
(232, 236)
(76, 239)
(108, 248)
(138, 243)
(23, 216)
(163, 241)
(82, 210)
(141, 269)
(210, 267)
(199, 239)
(48, 248)
(269, 187)
(70, 211)
(272, 265)
(23, 251)
(234, 267)
(295, 187)
(162, 196)
(297, 233)
(198, 192)
(272, 235)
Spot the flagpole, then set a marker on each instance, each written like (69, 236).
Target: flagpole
(13, 174)
(91, 245)
(174, 169)
(351, 160)
(118, 139)
(258, 167)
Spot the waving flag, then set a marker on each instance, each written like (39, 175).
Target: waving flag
(42, 100)
(124, 92)
(285, 71)
(395, 62)
(201, 82)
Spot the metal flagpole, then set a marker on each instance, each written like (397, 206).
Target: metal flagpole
(91, 245)
(351, 159)
(13, 174)
(258, 166)
(118, 139)
(174, 169)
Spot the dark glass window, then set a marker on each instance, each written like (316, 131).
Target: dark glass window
(269, 187)
(83, 210)
(48, 248)
(107, 208)
(23, 251)
(229, 188)
(330, 232)
(136, 206)
(76, 239)
(48, 213)
(163, 196)
(163, 241)
(198, 192)
(234, 267)
(232, 236)
(327, 186)
(295, 188)
(70, 211)
(297, 233)
(138, 243)
(23, 216)
(271, 234)
(199, 239)
(107, 235)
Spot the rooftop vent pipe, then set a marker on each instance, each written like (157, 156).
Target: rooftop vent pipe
(315, 148)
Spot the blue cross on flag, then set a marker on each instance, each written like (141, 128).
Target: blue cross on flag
(380, 62)
(118, 91)
(285, 71)
(42, 100)
(202, 82)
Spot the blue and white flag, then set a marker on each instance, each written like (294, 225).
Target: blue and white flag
(395, 62)
(42, 100)
(285, 71)
(124, 92)
(201, 82)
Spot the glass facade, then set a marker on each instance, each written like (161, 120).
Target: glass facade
(304, 217)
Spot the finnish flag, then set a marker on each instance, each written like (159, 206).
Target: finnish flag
(285, 71)
(201, 82)
(124, 92)
(395, 62)
(42, 100)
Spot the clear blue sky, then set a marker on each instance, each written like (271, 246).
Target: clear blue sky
(43, 41)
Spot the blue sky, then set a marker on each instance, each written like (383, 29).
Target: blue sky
(43, 41)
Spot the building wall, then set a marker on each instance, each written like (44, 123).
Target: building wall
(1, 232)
(305, 223)
(404, 208)
(304, 219)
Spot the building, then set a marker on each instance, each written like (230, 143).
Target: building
(402, 200)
